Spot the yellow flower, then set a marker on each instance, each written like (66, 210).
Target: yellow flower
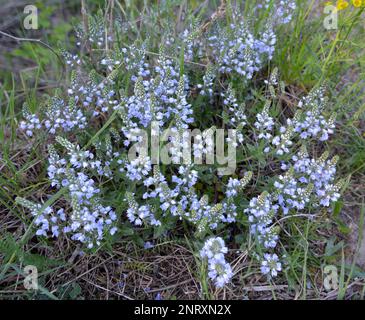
(342, 4)
(356, 3)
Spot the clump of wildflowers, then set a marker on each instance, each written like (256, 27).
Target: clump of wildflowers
(65, 116)
(320, 173)
(306, 181)
(312, 123)
(133, 89)
(88, 221)
(308, 122)
(261, 213)
(234, 50)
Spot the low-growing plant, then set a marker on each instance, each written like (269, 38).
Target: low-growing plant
(204, 91)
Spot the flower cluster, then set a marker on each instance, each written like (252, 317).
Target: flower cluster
(89, 220)
(193, 45)
(320, 174)
(87, 99)
(308, 122)
(208, 81)
(92, 95)
(237, 50)
(140, 214)
(306, 181)
(158, 99)
(220, 270)
(30, 122)
(290, 194)
(312, 123)
(235, 111)
(93, 31)
(137, 168)
(132, 58)
(261, 213)
(281, 9)
(264, 123)
(67, 117)
(72, 60)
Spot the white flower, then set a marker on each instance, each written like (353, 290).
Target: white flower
(270, 265)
